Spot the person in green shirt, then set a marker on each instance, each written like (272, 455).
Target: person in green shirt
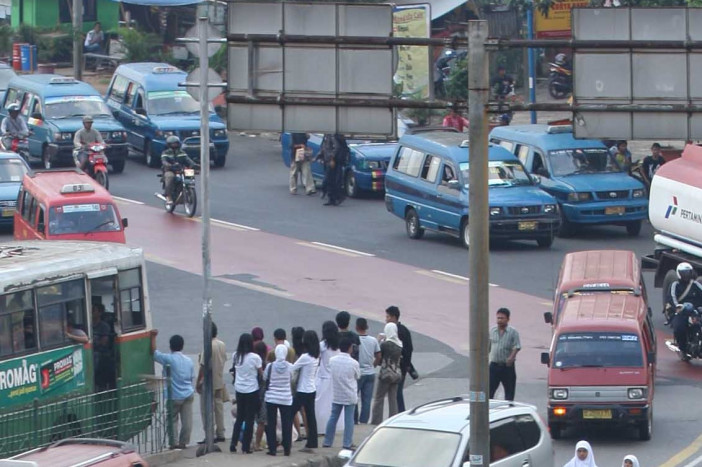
(171, 158)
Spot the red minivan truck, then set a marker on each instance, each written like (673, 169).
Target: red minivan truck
(66, 204)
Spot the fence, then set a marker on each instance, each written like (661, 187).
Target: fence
(137, 413)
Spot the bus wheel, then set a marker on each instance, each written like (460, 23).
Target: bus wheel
(65, 426)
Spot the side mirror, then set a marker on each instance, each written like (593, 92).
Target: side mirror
(545, 358)
(345, 454)
(651, 357)
(454, 185)
(37, 116)
(140, 111)
(125, 223)
(548, 317)
(537, 179)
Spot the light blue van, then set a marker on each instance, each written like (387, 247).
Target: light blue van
(587, 182)
(426, 184)
(147, 99)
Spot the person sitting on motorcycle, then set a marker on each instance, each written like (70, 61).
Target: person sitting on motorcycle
(13, 126)
(502, 85)
(170, 158)
(84, 138)
(680, 324)
(562, 61)
(685, 289)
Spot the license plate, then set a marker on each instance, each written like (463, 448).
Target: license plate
(530, 225)
(8, 212)
(615, 210)
(605, 414)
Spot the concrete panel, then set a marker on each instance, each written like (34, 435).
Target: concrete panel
(602, 76)
(365, 71)
(255, 18)
(318, 19)
(658, 24)
(659, 75)
(602, 125)
(659, 126)
(598, 23)
(365, 20)
(254, 117)
(310, 70)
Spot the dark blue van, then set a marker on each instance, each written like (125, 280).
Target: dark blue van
(54, 107)
(426, 184)
(587, 182)
(147, 99)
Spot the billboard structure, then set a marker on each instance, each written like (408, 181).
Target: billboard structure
(329, 71)
(413, 60)
(557, 24)
(648, 90)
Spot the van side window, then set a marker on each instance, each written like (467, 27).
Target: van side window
(409, 161)
(33, 212)
(431, 168)
(129, 94)
(508, 145)
(24, 107)
(537, 164)
(26, 203)
(447, 174)
(504, 439)
(140, 104)
(523, 153)
(14, 96)
(41, 227)
(119, 87)
(529, 430)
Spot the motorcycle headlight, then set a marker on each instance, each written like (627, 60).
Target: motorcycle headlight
(638, 193)
(221, 133)
(559, 393)
(549, 208)
(496, 211)
(579, 196)
(636, 393)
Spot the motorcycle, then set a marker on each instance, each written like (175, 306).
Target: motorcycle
(16, 144)
(96, 165)
(183, 190)
(560, 81)
(694, 337)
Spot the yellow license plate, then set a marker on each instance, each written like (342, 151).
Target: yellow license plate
(8, 212)
(615, 210)
(531, 225)
(605, 414)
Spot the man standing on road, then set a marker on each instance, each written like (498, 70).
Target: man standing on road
(181, 389)
(503, 347)
(368, 353)
(651, 163)
(392, 315)
(300, 164)
(220, 394)
(335, 153)
(344, 373)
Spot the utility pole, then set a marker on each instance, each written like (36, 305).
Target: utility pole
(479, 253)
(530, 54)
(78, 39)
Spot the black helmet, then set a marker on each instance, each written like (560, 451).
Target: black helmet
(173, 142)
(685, 272)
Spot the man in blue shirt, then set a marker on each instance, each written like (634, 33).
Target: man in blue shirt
(182, 373)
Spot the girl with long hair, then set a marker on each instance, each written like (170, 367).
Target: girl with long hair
(247, 371)
(328, 348)
(306, 390)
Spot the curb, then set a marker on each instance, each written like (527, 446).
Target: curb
(320, 461)
(165, 457)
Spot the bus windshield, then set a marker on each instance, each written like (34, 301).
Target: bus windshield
(76, 106)
(598, 349)
(172, 102)
(582, 161)
(500, 173)
(12, 170)
(83, 218)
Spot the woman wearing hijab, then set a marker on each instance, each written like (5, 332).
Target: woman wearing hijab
(389, 376)
(328, 348)
(584, 457)
(278, 377)
(630, 461)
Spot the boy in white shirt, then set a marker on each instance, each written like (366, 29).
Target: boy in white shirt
(345, 373)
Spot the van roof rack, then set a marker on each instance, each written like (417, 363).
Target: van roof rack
(426, 129)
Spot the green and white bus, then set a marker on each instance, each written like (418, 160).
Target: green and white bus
(75, 339)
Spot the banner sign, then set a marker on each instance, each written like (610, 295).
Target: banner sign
(557, 23)
(49, 374)
(413, 61)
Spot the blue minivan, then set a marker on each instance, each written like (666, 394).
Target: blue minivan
(426, 184)
(54, 107)
(587, 182)
(149, 101)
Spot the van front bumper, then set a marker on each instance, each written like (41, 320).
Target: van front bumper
(618, 414)
(524, 229)
(609, 212)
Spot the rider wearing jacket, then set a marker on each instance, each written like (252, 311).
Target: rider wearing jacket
(684, 291)
(170, 158)
(13, 126)
(84, 138)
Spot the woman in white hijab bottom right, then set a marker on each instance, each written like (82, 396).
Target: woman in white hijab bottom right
(584, 457)
(630, 461)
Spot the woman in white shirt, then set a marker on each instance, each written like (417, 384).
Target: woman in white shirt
(278, 377)
(328, 348)
(306, 389)
(247, 371)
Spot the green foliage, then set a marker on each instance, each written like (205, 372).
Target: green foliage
(27, 33)
(6, 35)
(141, 46)
(55, 48)
(457, 85)
(218, 62)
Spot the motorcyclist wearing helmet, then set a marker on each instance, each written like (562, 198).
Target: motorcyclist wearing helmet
(685, 289)
(84, 138)
(680, 324)
(13, 126)
(170, 158)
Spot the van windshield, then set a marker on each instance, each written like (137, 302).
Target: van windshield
(12, 170)
(83, 218)
(410, 448)
(172, 102)
(598, 349)
(76, 106)
(500, 173)
(582, 161)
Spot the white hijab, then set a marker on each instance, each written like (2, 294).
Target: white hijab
(589, 460)
(391, 334)
(631, 458)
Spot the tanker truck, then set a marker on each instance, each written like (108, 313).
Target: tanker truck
(675, 212)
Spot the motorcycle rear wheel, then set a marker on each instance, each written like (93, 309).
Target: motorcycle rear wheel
(190, 201)
(557, 90)
(101, 178)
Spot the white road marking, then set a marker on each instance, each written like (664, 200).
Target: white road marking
(126, 200)
(446, 278)
(444, 273)
(257, 288)
(694, 462)
(330, 250)
(232, 224)
(348, 250)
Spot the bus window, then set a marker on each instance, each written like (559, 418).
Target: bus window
(17, 324)
(132, 311)
(81, 218)
(32, 211)
(57, 303)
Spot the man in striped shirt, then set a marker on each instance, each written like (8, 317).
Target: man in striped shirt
(503, 347)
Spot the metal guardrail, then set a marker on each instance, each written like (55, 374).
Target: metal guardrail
(138, 413)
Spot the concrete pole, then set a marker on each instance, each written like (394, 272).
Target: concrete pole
(78, 39)
(207, 391)
(531, 60)
(479, 253)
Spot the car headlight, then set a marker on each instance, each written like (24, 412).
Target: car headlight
(221, 133)
(636, 393)
(549, 208)
(580, 196)
(638, 193)
(495, 211)
(164, 133)
(560, 393)
(118, 135)
(369, 165)
(64, 136)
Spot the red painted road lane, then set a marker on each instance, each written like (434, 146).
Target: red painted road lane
(432, 304)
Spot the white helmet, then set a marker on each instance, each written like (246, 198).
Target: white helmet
(685, 272)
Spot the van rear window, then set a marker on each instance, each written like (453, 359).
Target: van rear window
(83, 218)
(598, 349)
